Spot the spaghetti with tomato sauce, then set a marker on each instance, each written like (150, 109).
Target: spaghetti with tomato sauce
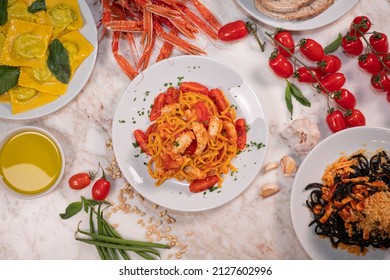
(193, 137)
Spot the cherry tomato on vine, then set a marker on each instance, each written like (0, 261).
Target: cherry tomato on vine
(352, 45)
(233, 31)
(336, 121)
(386, 62)
(332, 82)
(329, 64)
(380, 82)
(308, 75)
(80, 180)
(345, 99)
(370, 63)
(101, 188)
(361, 23)
(355, 117)
(284, 37)
(379, 43)
(280, 65)
(311, 49)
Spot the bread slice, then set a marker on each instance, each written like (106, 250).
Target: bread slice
(305, 12)
(285, 6)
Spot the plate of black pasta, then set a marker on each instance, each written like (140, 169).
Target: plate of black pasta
(340, 200)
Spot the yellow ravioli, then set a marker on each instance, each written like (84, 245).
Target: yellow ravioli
(18, 10)
(5, 97)
(25, 44)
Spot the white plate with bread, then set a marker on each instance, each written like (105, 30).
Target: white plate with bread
(297, 15)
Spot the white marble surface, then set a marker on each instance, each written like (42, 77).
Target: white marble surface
(246, 228)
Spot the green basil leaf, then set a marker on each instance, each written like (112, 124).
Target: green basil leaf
(287, 97)
(58, 61)
(3, 12)
(8, 77)
(332, 47)
(296, 92)
(36, 6)
(72, 210)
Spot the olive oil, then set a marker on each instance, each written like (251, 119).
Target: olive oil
(30, 162)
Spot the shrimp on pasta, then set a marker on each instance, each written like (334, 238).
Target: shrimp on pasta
(193, 137)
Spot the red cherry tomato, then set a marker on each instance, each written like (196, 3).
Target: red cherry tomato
(352, 45)
(201, 185)
(100, 189)
(360, 23)
(332, 82)
(233, 31)
(329, 64)
(280, 65)
(241, 134)
(172, 95)
(80, 180)
(386, 62)
(191, 148)
(379, 43)
(381, 82)
(158, 103)
(219, 100)
(202, 113)
(308, 75)
(355, 117)
(345, 99)
(193, 86)
(284, 37)
(336, 121)
(311, 49)
(142, 140)
(370, 63)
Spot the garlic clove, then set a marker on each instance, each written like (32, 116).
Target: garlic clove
(268, 190)
(288, 165)
(270, 166)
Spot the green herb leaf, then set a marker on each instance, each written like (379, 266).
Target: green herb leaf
(8, 77)
(287, 97)
(296, 92)
(58, 61)
(3, 12)
(36, 6)
(332, 47)
(72, 210)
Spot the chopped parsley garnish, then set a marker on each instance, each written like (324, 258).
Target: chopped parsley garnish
(135, 144)
(122, 121)
(257, 145)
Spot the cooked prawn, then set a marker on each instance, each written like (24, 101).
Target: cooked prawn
(180, 144)
(214, 126)
(194, 172)
(202, 137)
(231, 131)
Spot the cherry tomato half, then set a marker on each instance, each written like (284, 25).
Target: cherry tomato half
(201, 185)
(233, 31)
(194, 86)
(218, 98)
(80, 180)
(352, 45)
(345, 99)
(329, 64)
(308, 75)
(360, 23)
(286, 40)
(380, 82)
(370, 63)
(332, 82)
(142, 140)
(241, 134)
(311, 49)
(202, 113)
(336, 121)
(100, 189)
(379, 43)
(158, 103)
(355, 117)
(280, 65)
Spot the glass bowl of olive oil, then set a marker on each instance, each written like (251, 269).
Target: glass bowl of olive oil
(32, 162)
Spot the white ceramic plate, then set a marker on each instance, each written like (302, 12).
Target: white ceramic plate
(76, 84)
(311, 170)
(131, 114)
(334, 12)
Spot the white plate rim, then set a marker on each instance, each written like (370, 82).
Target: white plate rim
(368, 138)
(334, 12)
(79, 80)
(210, 201)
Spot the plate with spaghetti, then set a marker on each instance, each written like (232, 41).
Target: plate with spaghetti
(340, 200)
(189, 133)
